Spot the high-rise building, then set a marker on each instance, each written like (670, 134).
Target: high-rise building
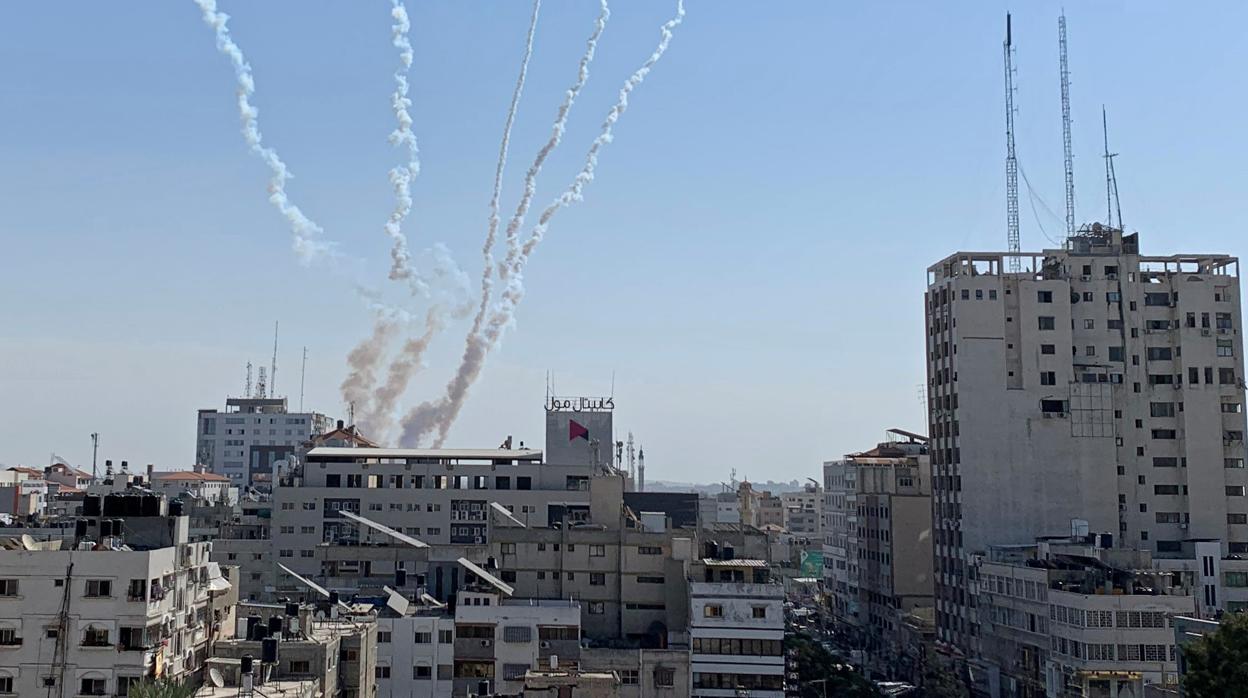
(246, 442)
(1099, 387)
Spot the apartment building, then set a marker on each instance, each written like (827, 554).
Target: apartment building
(244, 541)
(881, 546)
(629, 576)
(803, 511)
(248, 441)
(1097, 384)
(736, 623)
(415, 652)
(93, 614)
(642, 672)
(205, 486)
(1069, 617)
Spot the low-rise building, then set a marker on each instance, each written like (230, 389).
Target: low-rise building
(197, 483)
(1075, 617)
(736, 622)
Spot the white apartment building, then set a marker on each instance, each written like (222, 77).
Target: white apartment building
(246, 442)
(209, 487)
(91, 617)
(1098, 384)
(736, 624)
(1066, 618)
(415, 654)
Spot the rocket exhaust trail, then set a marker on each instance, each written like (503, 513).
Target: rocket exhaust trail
(561, 120)
(363, 361)
(401, 176)
(378, 418)
(307, 244)
(487, 250)
(436, 417)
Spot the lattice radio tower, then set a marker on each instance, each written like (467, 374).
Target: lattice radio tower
(1011, 161)
(1069, 159)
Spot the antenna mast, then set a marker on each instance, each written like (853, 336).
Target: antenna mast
(1069, 160)
(1011, 162)
(95, 450)
(247, 392)
(1111, 178)
(303, 373)
(261, 385)
(273, 366)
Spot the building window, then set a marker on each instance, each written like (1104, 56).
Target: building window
(649, 550)
(381, 672)
(1165, 489)
(446, 637)
(597, 579)
(92, 687)
(1234, 490)
(597, 608)
(759, 611)
(597, 551)
(712, 610)
(383, 636)
(99, 588)
(629, 677)
(423, 638)
(1044, 296)
(95, 637)
(658, 580)
(664, 677)
(1048, 378)
(1048, 349)
(1046, 322)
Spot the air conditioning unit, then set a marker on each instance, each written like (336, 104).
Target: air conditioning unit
(1205, 332)
(486, 643)
(479, 540)
(544, 644)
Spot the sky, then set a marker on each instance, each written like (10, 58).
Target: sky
(745, 271)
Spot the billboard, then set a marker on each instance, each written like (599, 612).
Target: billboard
(812, 563)
(579, 430)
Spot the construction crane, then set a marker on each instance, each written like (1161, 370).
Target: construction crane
(1069, 159)
(1011, 161)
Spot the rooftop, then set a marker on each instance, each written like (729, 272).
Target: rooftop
(735, 562)
(188, 475)
(327, 453)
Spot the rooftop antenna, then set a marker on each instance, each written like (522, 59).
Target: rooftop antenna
(1011, 161)
(247, 391)
(303, 373)
(632, 457)
(261, 384)
(273, 368)
(95, 451)
(1111, 178)
(1069, 159)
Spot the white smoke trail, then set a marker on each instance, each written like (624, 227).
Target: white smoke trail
(377, 418)
(401, 176)
(561, 120)
(435, 417)
(487, 250)
(306, 233)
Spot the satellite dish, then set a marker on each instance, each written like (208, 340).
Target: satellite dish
(215, 678)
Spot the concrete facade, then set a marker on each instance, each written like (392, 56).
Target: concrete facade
(247, 440)
(736, 622)
(1099, 385)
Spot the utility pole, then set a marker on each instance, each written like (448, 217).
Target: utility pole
(1011, 161)
(1066, 148)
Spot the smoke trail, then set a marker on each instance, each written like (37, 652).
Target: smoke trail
(306, 232)
(438, 415)
(378, 419)
(561, 120)
(357, 389)
(487, 250)
(401, 177)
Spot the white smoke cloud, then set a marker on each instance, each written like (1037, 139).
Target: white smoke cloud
(401, 177)
(435, 417)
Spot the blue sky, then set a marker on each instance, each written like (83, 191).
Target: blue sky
(748, 262)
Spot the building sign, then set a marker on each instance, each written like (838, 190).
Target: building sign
(580, 404)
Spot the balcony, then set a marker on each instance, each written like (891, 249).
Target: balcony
(474, 648)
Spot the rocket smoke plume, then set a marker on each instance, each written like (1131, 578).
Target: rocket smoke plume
(401, 177)
(377, 418)
(556, 135)
(357, 389)
(306, 233)
(487, 250)
(436, 417)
